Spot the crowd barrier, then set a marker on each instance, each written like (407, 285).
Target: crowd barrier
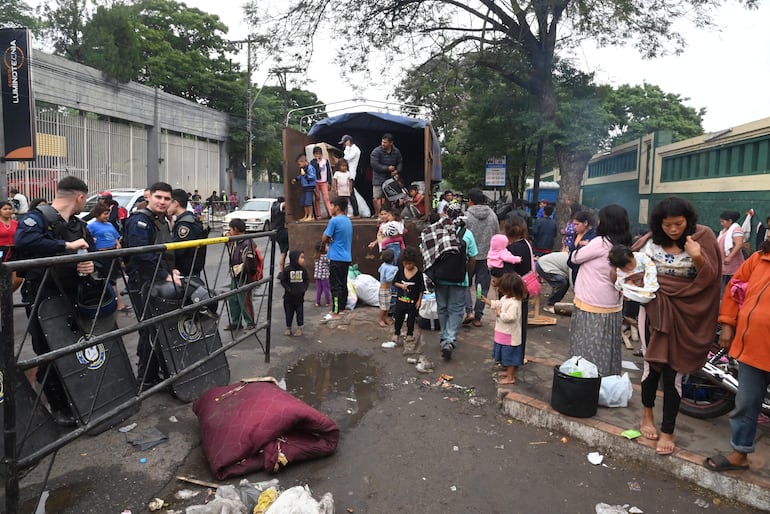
(88, 347)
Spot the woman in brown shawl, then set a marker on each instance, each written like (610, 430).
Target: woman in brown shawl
(678, 322)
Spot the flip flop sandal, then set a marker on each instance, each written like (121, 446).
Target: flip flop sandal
(720, 463)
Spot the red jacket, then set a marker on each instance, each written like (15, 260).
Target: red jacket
(751, 344)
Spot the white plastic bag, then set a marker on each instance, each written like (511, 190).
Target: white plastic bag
(368, 289)
(299, 500)
(428, 307)
(615, 391)
(352, 296)
(363, 208)
(579, 367)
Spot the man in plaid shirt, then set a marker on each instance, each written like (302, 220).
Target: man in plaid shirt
(450, 296)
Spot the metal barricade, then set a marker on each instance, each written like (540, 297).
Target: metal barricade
(88, 354)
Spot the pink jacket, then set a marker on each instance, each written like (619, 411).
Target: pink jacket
(595, 284)
(499, 254)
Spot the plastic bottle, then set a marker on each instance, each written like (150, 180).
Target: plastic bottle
(81, 251)
(478, 291)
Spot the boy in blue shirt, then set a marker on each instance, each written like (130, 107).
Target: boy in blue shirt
(306, 177)
(339, 236)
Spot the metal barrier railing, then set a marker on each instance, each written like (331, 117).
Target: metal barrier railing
(27, 437)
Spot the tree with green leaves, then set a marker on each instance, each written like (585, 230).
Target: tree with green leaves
(62, 24)
(537, 32)
(16, 13)
(640, 110)
(111, 43)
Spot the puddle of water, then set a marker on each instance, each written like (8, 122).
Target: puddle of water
(341, 384)
(52, 501)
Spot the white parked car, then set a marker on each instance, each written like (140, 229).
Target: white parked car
(255, 213)
(126, 198)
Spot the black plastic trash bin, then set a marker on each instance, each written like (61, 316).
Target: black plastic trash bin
(575, 396)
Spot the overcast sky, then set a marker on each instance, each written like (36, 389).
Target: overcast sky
(726, 71)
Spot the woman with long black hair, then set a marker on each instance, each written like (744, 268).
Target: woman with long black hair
(596, 324)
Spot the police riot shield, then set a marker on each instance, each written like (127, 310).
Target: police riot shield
(186, 339)
(35, 427)
(97, 378)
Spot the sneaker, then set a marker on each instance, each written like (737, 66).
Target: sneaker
(549, 308)
(446, 352)
(400, 340)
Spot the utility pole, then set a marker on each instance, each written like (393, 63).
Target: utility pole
(249, 119)
(281, 73)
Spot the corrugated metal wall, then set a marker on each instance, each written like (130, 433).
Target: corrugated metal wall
(110, 154)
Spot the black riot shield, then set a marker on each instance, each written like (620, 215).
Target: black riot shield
(35, 427)
(96, 379)
(186, 339)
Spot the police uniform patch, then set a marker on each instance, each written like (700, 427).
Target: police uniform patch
(183, 231)
(30, 221)
(141, 224)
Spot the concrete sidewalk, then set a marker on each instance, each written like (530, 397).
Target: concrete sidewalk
(529, 401)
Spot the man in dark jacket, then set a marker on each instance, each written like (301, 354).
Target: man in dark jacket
(386, 162)
(189, 261)
(47, 231)
(295, 281)
(544, 232)
(144, 227)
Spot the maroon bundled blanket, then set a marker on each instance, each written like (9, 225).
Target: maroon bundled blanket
(249, 426)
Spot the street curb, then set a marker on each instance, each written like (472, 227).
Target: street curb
(749, 488)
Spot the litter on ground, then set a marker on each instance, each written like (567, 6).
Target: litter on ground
(595, 458)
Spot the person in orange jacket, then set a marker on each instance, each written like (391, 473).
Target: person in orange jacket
(745, 319)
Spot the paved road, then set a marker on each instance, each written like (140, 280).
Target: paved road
(407, 445)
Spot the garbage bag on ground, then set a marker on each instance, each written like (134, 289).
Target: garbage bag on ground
(579, 367)
(353, 271)
(367, 289)
(299, 500)
(226, 501)
(615, 391)
(352, 295)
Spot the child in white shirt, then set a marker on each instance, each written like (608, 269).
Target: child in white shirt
(341, 181)
(637, 276)
(507, 348)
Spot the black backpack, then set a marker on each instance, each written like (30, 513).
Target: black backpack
(451, 266)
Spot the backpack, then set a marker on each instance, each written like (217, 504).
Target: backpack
(451, 266)
(392, 190)
(258, 271)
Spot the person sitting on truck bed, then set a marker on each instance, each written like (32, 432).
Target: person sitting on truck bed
(386, 162)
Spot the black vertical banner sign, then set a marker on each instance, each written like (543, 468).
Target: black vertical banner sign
(18, 103)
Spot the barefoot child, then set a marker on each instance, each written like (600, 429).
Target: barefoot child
(507, 349)
(321, 274)
(307, 179)
(387, 272)
(294, 280)
(409, 288)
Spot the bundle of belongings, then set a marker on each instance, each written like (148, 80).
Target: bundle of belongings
(254, 425)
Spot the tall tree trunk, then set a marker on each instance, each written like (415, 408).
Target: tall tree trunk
(572, 164)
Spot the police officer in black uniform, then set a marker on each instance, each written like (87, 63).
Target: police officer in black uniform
(47, 231)
(187, 227)
(148, 226)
